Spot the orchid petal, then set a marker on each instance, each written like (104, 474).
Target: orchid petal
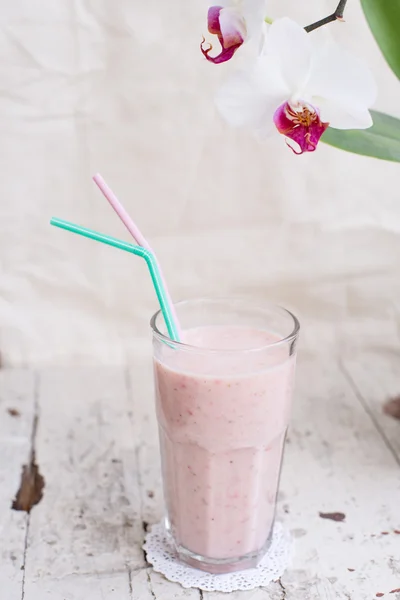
(233, 40)
(346, 86)
(344, 118)
(213, 19)
(290, 46)
(253, 12)
(232, 27)
(249, 98)
(235, 22)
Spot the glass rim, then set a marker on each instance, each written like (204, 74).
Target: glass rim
(190, 347)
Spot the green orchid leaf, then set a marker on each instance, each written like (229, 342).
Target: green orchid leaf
(383, 17)
(382, 140)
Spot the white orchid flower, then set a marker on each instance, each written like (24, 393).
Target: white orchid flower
(301, 86)
(234, 22)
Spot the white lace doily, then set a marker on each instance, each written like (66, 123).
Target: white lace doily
(273, 565)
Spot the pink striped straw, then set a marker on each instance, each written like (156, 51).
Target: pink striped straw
(135, 233)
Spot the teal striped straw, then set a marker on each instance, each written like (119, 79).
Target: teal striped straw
(139, 251)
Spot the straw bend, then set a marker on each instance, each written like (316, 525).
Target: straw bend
(138, 251)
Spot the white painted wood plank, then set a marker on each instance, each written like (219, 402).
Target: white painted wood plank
(376, 378)
(148, 585)
(109, 586)
(140, 586)
(273, 592)
(162, 589)
(336, 461)
(16, 419)
(89, 519)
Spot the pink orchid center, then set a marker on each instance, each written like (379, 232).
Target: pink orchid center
(228, 33)
(302, 124)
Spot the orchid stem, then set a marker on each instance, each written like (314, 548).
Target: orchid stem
(338, 14)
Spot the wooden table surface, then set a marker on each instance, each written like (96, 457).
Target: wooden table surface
(95, 442)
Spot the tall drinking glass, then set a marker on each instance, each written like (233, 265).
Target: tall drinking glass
(223, 398)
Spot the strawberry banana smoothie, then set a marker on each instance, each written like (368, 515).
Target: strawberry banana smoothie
(223, 403)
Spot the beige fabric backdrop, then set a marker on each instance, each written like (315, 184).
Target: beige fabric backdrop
(120, 87)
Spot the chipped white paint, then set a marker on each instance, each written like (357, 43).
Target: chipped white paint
(17, 393)
(89, 519)
(97, 449)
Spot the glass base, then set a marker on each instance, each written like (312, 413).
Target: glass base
(219, 566)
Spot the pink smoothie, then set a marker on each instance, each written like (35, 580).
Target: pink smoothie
(223, 418)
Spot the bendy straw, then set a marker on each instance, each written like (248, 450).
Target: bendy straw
(148, 256)
(135, 233)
